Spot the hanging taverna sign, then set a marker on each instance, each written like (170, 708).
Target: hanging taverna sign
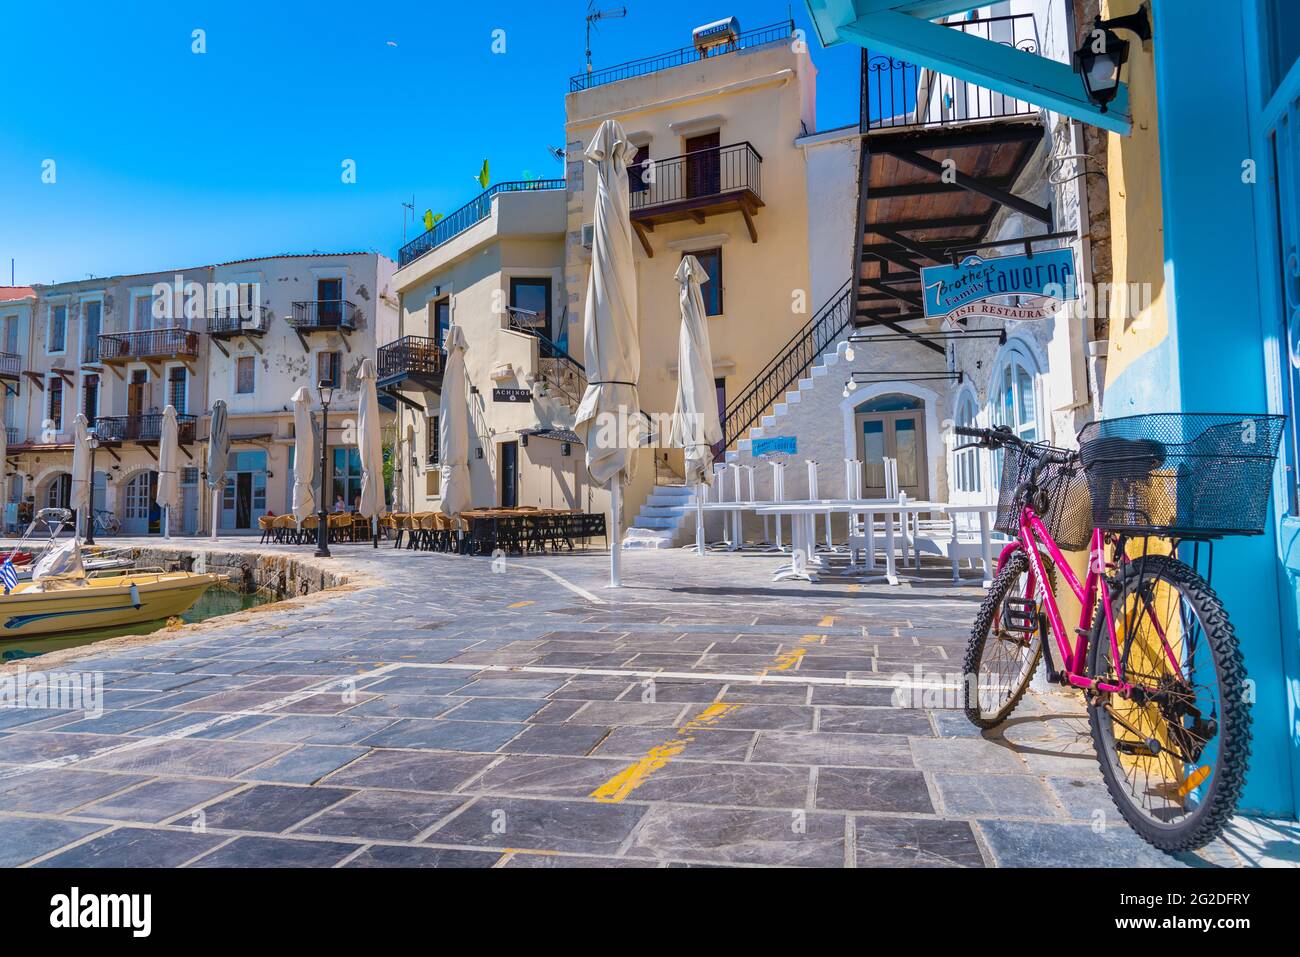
(1037, 284)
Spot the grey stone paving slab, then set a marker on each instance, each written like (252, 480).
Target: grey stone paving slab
(632, 713)
(183, 757)
(270, 808)
(445, 735)
(158, 800)
(846, 750)
(693, 782)
(191, 725)
(563, 739)
(960, 754)
(765, 717)
(510, 687)
(548, 776)
(53, 791)
(915, 842)
(276, 852)
(793, 694)
(305, 765)
(1082, 798)
(410, 770)
(26, 838)
(1031, 844)
(406, 706)
(875, 721)
(702, 746)
(389, 855)
(995, 795)
(781, 838)
(382, 815)
(523, 859)
(38, 747)
(14, 717)
(593, 689)
(308, 729)
(872, 789)
(541, 825)
(136, 847)
(497, 709)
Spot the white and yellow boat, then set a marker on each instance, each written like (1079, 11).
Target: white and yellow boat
(55, 606)
(62, 598)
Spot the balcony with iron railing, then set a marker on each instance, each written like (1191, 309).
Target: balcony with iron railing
(226, 322)
(776, 33)
(13, 436)
(173, 343)
(896, 94)
(11, 366)
(697, 185)
(145, 428)
(325, 315)
(412, 358)
(475, 211)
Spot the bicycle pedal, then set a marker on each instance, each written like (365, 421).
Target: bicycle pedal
(1020, 615)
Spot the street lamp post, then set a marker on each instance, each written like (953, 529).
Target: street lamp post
(90, 509)
(326, 390)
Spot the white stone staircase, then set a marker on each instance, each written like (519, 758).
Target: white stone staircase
(666, 520)
(816, 377)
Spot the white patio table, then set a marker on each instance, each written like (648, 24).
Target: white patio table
(985, 511)
(803, 514)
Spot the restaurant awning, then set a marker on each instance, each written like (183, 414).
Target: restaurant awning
(903, 29)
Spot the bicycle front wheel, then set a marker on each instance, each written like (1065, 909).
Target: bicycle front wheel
(1004, 650)
(1173, 752)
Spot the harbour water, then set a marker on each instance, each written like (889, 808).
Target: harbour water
(215, 602)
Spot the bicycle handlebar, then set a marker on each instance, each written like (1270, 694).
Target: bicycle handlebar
(1003, 436)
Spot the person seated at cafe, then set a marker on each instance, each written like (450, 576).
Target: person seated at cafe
(340, 505)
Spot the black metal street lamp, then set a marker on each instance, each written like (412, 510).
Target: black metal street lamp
(326, 390)
(1103, 54)
(93, 436)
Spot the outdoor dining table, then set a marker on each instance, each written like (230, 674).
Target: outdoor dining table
(985, 511)
(803, 514)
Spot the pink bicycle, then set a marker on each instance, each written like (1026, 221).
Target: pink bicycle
(1154, 652)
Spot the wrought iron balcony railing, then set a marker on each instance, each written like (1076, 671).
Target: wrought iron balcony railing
(702, 175)
(324, 314)
(896, 94)
(776, 33)
(148, 344)
(11, 366)
(475, 211)
(13, 436)
(226, 321)
(410, 356)
(142, 428)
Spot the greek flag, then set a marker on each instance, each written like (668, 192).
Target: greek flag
(9, 576)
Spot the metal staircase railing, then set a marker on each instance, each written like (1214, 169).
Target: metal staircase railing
(789, 365)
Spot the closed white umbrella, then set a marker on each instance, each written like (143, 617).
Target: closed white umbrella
(304, 456)
(696, 425)
(453, 428)
(4, 448)
(610, 333)
(169, 486)
(81, 477)
(371, 446)
(218, 459)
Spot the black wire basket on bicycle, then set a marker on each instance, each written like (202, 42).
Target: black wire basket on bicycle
(1068, 516)
(1192, 475)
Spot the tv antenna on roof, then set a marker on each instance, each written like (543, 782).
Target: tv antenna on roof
(593, 16)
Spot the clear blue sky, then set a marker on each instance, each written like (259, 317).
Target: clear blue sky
(167, 158)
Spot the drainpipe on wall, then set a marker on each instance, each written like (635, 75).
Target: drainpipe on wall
(1097, 350)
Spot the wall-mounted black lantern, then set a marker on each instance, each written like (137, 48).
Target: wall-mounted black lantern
(1103, 54)
(566, 449)
(523, 439)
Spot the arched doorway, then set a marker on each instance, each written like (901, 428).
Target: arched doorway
(58, 493)
(140, 512)
(1013, 398)
(892, 426)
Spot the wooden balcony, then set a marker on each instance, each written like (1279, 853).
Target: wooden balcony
(413, 360)
(11, 366)
(695, 186)
(143, 429)
(150, 345)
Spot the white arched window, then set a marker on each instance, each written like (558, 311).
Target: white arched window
(1014, 398)
(966, 463)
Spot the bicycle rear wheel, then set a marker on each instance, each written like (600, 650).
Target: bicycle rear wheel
(1000, 660)
(1173, 754)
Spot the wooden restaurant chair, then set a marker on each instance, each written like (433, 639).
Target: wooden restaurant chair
(307, 530)
(266, 525)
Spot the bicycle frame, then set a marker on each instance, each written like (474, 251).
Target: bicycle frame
(1033, 537)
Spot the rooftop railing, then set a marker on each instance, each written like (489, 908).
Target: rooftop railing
(776, 33)
(475, 211)
(897, 95)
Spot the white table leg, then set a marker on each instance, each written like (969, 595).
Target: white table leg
(871, 539)
(986, 548)
(891, 569)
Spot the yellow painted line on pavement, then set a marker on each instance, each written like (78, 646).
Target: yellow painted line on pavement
(827, 621)
(789, 659)
(617, 788)
(521, 604)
